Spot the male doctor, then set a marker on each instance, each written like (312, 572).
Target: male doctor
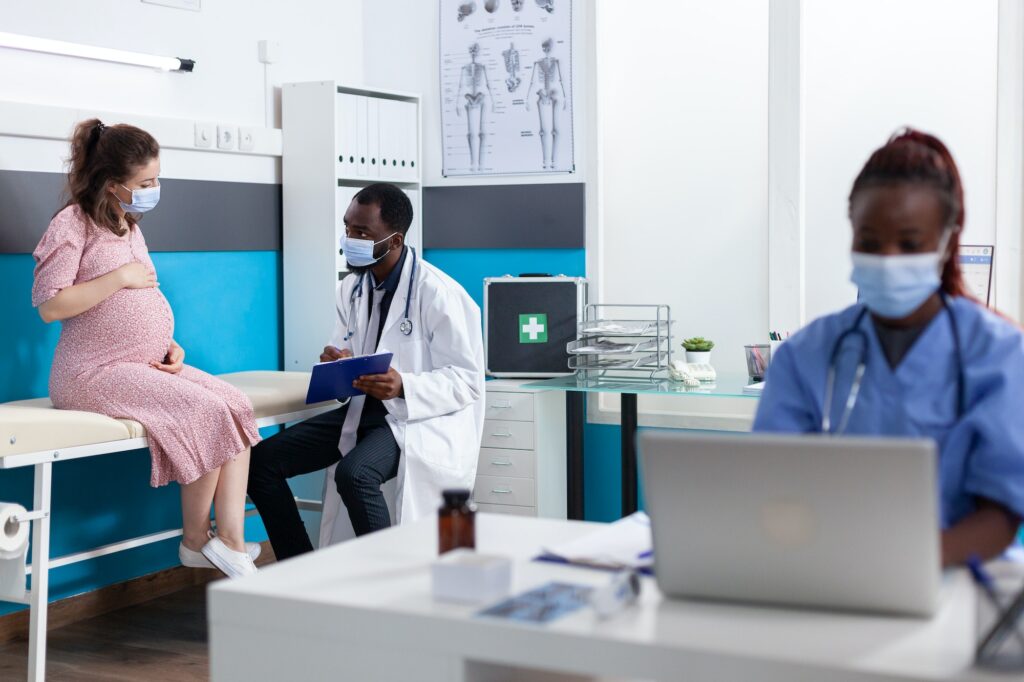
(421, 422)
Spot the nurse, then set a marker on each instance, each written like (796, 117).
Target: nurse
(916, 356)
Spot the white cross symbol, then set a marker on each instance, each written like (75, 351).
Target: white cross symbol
(533, 329)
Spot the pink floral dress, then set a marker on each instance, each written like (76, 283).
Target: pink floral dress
(102, 359)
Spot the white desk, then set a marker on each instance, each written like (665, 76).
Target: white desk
(362, 610)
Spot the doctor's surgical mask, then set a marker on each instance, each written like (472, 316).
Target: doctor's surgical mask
(143, 200)
(359, 252)
(895, 286)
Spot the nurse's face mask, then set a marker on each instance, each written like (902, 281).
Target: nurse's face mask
(359, 253)
(895, 286)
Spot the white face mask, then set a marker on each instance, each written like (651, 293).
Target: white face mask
(359, 252)
(144, 199)
(895, 286)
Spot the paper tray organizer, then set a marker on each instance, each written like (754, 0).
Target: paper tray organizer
(624, 340)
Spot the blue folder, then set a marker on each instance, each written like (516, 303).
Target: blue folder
(333, 380)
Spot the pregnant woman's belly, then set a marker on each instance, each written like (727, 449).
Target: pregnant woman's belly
(133, 325)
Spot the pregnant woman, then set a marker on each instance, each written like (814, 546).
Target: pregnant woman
(117, 355)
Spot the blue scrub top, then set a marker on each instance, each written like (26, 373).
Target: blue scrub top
(981, 453)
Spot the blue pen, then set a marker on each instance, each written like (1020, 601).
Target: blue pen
(988, 586)
(645, 555)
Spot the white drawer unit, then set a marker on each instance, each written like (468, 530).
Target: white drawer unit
(516, 407)
(522, 470)
(513, 463)
(510, 435)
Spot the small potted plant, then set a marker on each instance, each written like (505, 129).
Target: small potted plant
(698, 350)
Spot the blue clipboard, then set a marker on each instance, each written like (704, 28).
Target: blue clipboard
(333, 380)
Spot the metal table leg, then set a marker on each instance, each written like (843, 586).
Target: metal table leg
(629, 463)
(575, 417)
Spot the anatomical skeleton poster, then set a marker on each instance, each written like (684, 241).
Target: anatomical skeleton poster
(506, 86)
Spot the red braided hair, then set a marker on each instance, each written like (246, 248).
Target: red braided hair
(913, 157)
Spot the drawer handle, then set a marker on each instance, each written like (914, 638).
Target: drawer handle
(501, 491)
(503, 405)
(499, 463)
(506, 434)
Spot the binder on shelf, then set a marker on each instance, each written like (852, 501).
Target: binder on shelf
(407, 122)
(363, 136)
(347, 134)
(389, 142)
(373, 136)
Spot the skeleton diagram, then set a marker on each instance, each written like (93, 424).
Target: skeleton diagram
(548, 5)
(517, 5)
(547, 75)
(465, 9)
(511, 56)
(474, 91)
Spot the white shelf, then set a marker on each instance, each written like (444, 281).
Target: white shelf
(321, 120)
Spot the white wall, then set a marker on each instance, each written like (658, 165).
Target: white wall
(871, 67)
(683, 105)
(400, 52)
(318, 40)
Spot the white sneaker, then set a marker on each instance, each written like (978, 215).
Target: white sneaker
(193, 559)
(233, 564)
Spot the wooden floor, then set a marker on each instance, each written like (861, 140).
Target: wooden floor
(164, 639)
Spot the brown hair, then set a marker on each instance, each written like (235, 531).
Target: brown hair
(102, 154)
(911, 156)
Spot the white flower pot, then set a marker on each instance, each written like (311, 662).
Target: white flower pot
(698, 357)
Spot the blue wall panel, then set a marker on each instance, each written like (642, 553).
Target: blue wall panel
(469, 267)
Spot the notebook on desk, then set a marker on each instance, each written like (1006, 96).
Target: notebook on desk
(333, 380)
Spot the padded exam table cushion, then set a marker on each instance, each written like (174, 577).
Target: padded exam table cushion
(36, 426)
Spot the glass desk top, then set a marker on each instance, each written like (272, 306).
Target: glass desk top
(726, 386)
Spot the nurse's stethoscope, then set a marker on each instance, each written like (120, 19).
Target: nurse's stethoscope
(858, 376)
(357, 292)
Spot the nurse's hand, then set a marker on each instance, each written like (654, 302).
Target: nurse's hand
(331, 353)
(173, 361)
(381, 386)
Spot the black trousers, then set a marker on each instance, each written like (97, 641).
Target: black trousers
(313, 445)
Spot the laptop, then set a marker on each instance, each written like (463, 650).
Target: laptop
(816, 521)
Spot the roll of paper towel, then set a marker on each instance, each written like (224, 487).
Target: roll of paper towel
(13, 551)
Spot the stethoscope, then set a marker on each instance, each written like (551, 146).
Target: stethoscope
(858, 376)
(357, 292)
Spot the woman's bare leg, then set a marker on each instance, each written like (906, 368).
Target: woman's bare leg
(196, 498)
(229, 501)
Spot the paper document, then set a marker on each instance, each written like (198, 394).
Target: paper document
(626, 543)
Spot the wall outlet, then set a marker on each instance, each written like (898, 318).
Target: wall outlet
(227, 137)
(246, 139)
(205, 132)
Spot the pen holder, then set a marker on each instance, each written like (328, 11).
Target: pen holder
(759, 355)
(1000, 621)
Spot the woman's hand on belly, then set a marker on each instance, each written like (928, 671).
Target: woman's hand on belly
(173, 361)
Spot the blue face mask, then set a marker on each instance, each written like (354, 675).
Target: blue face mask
(359, 252)
(143, 200)
(895, 286)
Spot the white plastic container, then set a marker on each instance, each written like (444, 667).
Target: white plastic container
(466, 577)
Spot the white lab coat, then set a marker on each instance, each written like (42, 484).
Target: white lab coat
(439, 423)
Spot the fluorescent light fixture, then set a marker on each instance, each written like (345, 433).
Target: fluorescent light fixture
(104, 54)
